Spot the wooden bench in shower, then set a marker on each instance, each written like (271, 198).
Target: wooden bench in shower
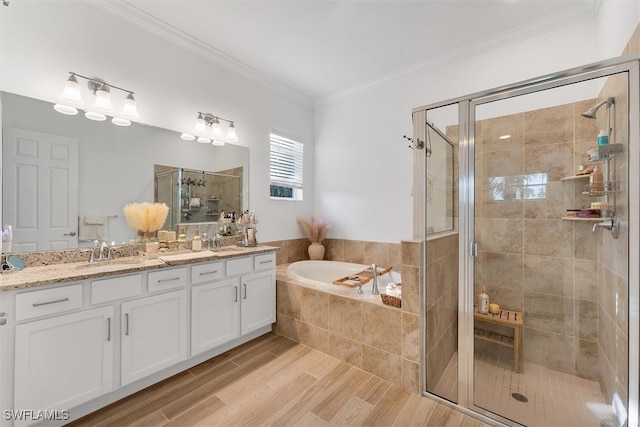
(509, 319)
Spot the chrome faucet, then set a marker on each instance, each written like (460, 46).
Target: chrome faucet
(374, 280)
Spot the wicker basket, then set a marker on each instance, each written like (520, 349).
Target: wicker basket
(391, 300)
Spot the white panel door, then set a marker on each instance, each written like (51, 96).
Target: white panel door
(64, 361)
(40, 189)
(258, 303)
(154, 334)
(215, 314)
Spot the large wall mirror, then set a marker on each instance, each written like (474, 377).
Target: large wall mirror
(57, 168)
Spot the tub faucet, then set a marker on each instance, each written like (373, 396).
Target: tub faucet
(374, 280)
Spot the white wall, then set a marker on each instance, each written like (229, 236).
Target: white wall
(42, 41)
(363, 168)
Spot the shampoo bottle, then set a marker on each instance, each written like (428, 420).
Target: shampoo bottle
(595, 181)
(603, 138)
(483, 302)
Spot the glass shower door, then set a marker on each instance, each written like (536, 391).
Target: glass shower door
(550, 311)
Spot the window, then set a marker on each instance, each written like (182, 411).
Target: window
(285, 168)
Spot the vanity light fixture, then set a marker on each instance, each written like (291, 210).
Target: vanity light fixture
(215, 135)
(71, 101)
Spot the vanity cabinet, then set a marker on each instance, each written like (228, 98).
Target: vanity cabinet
(154, 334)
(82, 345)
(215, 314)
(64, 361)
(258, 304)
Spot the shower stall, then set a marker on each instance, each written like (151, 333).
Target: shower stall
(529, 194)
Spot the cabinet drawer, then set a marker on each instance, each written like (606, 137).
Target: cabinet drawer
(115, 288)
(203, 273)
(264, 262)
(239, 266)
(48, 301)
(167, 279)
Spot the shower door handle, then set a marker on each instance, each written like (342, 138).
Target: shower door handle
(474, 249)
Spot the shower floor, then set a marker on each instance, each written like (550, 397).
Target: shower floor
(555, 399)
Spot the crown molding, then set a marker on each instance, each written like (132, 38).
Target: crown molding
(523, 32)
(153, 25)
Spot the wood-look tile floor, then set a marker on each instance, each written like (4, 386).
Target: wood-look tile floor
(273, 381)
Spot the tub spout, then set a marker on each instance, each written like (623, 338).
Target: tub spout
(374, 280)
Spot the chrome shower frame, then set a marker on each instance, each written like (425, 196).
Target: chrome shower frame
(466, 209)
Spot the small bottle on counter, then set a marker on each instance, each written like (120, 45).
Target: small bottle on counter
(196, 243)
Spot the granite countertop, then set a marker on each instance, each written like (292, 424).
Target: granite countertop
(74, 271)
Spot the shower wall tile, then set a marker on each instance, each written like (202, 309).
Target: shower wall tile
(410, 288)
(411, 253)
(586, 279)
(502, 164)
(548, 237)
(492, 129)
(502, 270)
(435, 280)
(554, 351)
(586, 359)
(553, 159)
(509, 298)
(585, 128)
(586, 319)
(585, 243)
(549, 313)
(411, 376)
(554, 205)
(334, 249)
(548, 275)
(549, 125)
(492, 207)
(502, 235)
(376, 253)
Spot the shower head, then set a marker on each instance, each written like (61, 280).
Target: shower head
(591, 112)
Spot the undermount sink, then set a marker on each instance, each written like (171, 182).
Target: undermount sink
(122, 263)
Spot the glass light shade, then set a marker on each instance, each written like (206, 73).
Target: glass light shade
(71, 93)
(218, 142)
(187, 137)
(103, 101)
(120, 122)
(201, 127)
(204, 140)
(231, 133)
(129, 109)
(216, 128)
(65, 109)
(92, 115)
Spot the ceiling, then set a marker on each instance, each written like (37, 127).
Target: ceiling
(319, 48)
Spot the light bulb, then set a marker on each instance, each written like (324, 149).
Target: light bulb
(187, 137)
(204, 140)
(201, 127)
(231, 133)
(218, 142)
(129, 109)
(103, 100)
(216, 128)
(71, 93)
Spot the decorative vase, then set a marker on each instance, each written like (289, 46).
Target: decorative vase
(316, 251)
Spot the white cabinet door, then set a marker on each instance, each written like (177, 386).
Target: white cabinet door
(258, 301)
(215, 314)
(64, 361)
(154, 334)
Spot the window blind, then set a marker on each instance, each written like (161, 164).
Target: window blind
(285, 162)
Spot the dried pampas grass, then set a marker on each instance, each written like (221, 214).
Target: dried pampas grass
(314, 230)
(146, 217)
